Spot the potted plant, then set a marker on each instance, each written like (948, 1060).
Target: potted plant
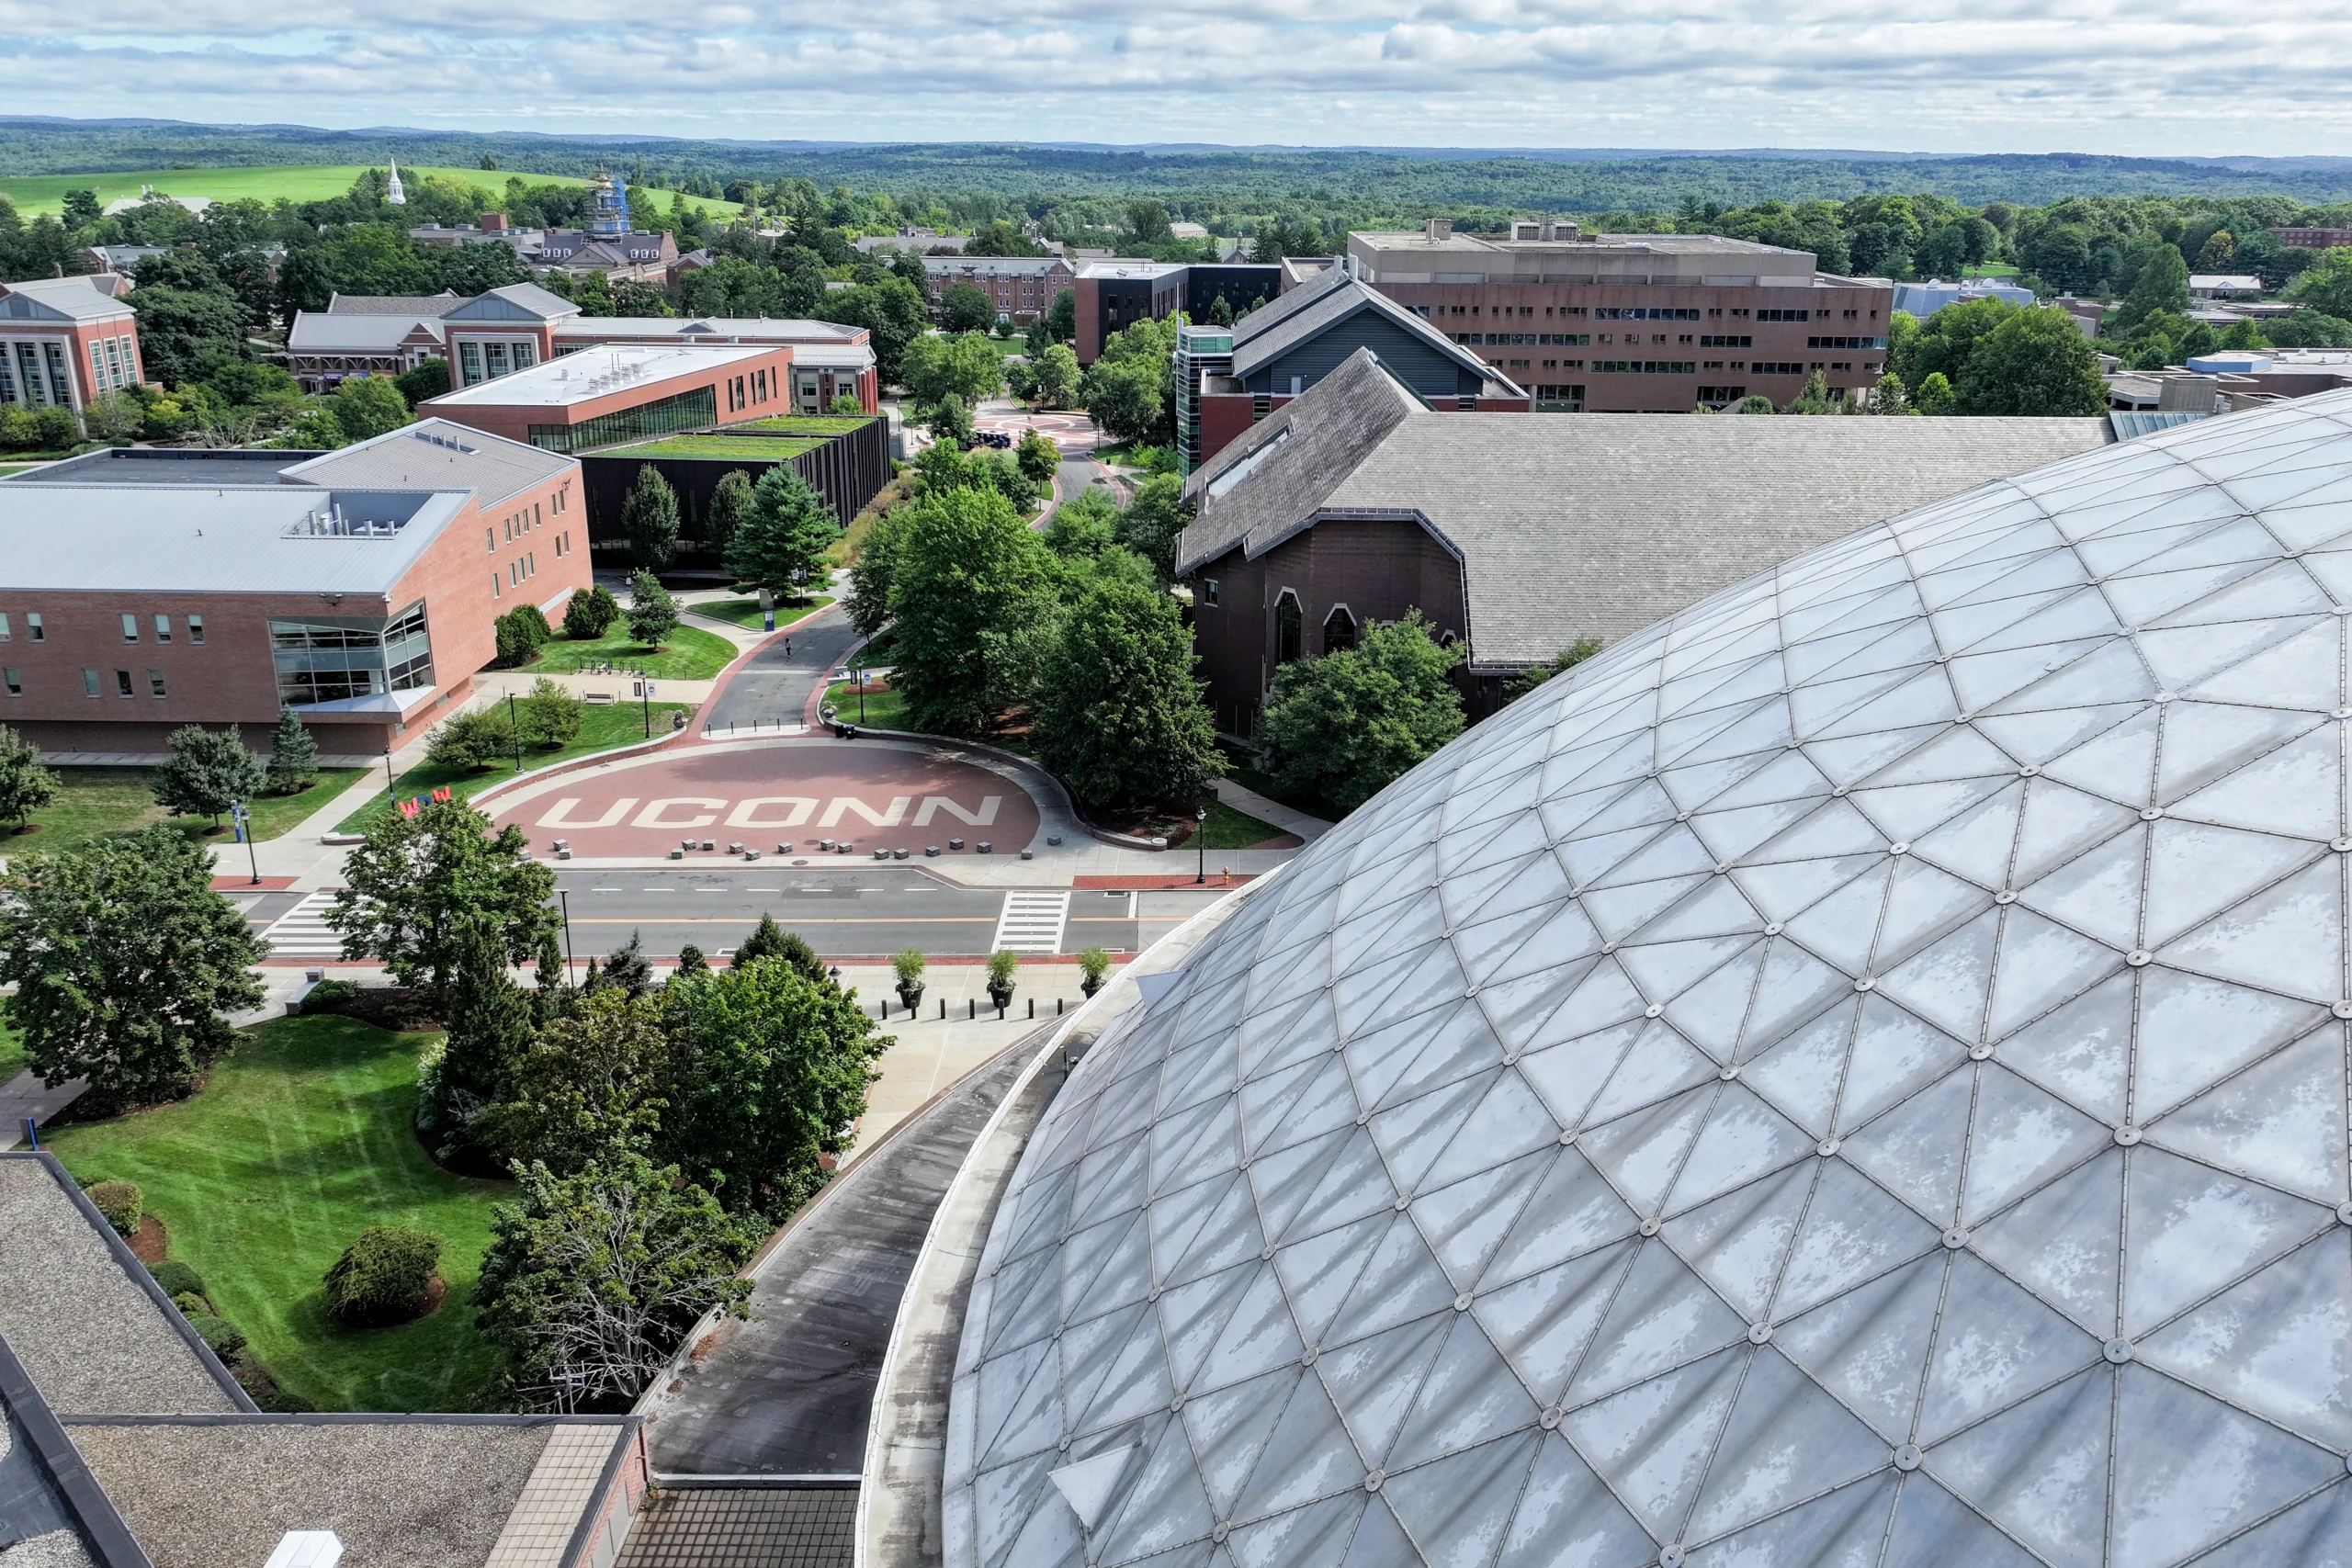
(1093, 964)
(909, 962)
(1002, 963)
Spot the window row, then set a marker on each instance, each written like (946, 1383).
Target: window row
(36, 630)
(93, 683)
(1647, 366)
(337, 660)
(1845, 342)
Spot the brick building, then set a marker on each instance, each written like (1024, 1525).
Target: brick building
(1518, 534)
(1021, 287)
(1113, 294)
(146, 588)
(64, 342)
(368, 335)
(618, 392)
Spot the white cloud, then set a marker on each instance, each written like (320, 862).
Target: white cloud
(2178, 76)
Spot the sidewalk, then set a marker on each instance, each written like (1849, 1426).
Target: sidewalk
(1289, 819)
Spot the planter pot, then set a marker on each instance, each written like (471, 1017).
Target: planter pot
(1090, 985)
(911, 996)
(1000, 999)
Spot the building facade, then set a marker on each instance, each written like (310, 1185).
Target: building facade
(1021, 287)
(604, 395)
(1113, 294)
(145, 589)
(1636, 323)
(65, 342)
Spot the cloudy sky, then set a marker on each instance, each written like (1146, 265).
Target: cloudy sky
(2148, 77)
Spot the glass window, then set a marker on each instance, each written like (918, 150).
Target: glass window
(493, 585)
(498, 366)
(122, 682)
(470, 363)
(162, 629)
(1288, 625)
(129, 627)
(89, 683)
(336, 660)
(16, 687)
(490, 540)
(1208, 591)
(1338, 629)
(155, 681)
(3, 627)
(195, 629)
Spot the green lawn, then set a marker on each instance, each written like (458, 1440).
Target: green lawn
(745, 448)
(822, 425)
(1229, 829)
(296, 1143)
(296, 182)
(884, 710)
(745, 613)
(12, 1054)
(95, 802)
(601, 730)
(1249, 778)
(691, 654)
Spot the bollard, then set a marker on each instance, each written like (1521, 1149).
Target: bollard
(943, 1009)
(999, 1012)
(971, 1008)
(1033, 1006)
(1057, 1006)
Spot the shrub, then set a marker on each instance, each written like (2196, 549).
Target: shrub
(190, 1303)
(591, 614)
(652, 614)
(177, 1277)
(522, 632)
(908, 963)
(472, 740)
(1002, 965)
(121, 1202)
(1094, 963)
(383, 1274)
(222, 1337)
(329, 995)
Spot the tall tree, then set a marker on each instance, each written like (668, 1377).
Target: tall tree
(650, 518)
(1119, 715)
(592, 1279)
(963, 308)
(123, 960)
(2162, 285)
(871, 572)
(26, 784)
(590, 1080)
(730, 502)
(1058, 377)
(293, 754)
(492, 1026)
(1348, 724)
(652, 614)
(782, 543)
(1151, 523)
(208, 772)
(412, 884)
(369, 405)
(2036, 363)
(968, 566)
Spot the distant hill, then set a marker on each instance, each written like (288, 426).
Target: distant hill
(1563, 179)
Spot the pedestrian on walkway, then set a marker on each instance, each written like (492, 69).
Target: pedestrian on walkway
(787, 648)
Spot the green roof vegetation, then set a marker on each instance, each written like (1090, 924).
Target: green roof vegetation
(823, 424)
(737, 449)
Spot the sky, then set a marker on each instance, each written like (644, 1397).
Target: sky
(2152, 78)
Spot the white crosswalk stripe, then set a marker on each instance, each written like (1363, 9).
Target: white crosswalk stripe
(1032, 922)
(303, 933)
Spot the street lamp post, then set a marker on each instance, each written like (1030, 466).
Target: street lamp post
(391, 787)
(563, 897)
(861, 694)
(245, 830)
(1201, 843)
(645, 701)
(516, 729)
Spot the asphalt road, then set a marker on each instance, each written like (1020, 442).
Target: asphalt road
(774, 686)
(857, 909)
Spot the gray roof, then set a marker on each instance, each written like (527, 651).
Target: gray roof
(757, 329)
(371, 331)
(208, 465)
(995, 266)
(93, 1336)
(1573, 525)
(515, 302)
(76, 299)
(1324, 304)
(436, 305)
(434, 454)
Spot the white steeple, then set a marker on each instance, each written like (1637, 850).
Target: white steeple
(393, 195)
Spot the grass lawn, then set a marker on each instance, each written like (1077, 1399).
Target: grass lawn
(95, 802)
(744, 449)
(297, 1142)
(1229, 829)
(884, 710)
(1249, 778)
(745, 613)
(691, 654)
(296, 182)
(824, 426)
(601, 730)
(12, 1054)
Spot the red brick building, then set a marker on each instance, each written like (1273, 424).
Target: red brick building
(65, 342)
(599, 396)
(141, 590)
(1021, 287)
(1636, 323)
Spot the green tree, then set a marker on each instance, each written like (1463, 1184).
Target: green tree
(592, 1279)
(782, 543)
(1038, 456)
(2162, 285)
(492, 1026)
(964, 307)
(2036, 363)
(26, 784)
(1350, 723)
(968, 565)
(2219, 252)
(1124, 398)
(185, 335)
(412, 881)
(1084, 525)
(628, 967)
(2326, 286)
(587, 1081)
(208, 772)
(1151, 523)
(770, 1070)
(520, 634)
(730, 502)
(1058, 377)
(369, 405)
(650, 518)
(1534, 675)
(1934, 395)
(475, 739)
(590, 614)
(1062, 317)
(872, 571)
(293, 755)
(1119, 715)
(950, 423)
(769, 940)
(123, 960)
(968, 365)
(550, 716)
(652, 614)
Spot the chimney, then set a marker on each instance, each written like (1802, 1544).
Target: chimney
(1437, 229)
(494, 223)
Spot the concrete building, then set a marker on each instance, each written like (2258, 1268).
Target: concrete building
(2314, 238)
(1230, 378)
(1924, 300)
(1519, 534)
(1021, 287)
(145, 589)
(2228, 380)
(1636, 323)
(65, 342)
(130, 1445)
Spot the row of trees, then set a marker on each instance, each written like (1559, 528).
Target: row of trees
(772, 533)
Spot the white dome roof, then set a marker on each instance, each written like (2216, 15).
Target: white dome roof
(1855, 1074)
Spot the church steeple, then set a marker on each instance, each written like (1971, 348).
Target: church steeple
(393, 195)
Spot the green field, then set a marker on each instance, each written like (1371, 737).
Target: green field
(603, 727)
(746, 448)
(295, 182)
(745, 613)
(818, 424)
(883, 710)
(1229, 829)
(691, 654)
(95, 802)
(297, 1142)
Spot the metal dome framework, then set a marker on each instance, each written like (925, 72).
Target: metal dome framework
(1855, 1074)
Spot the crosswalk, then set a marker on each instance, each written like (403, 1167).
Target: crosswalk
(303, 933)
(1032, 922)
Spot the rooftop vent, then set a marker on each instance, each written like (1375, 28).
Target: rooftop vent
(1437, 229)
(453, 445)
(330, 522)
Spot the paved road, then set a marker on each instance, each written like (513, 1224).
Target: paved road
(774, 685)
(851, 909)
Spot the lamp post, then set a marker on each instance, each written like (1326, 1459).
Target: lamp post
(244, 821)
(391, 787)
(861, 694)
(514, 729)
(1201, 843)
(645, 701)
(563, 897)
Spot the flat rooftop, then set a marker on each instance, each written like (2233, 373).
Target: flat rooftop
(600, 371)
(434, 454)
(165, 466)
(765, 329)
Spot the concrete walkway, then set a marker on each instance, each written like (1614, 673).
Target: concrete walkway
(1289, 819)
